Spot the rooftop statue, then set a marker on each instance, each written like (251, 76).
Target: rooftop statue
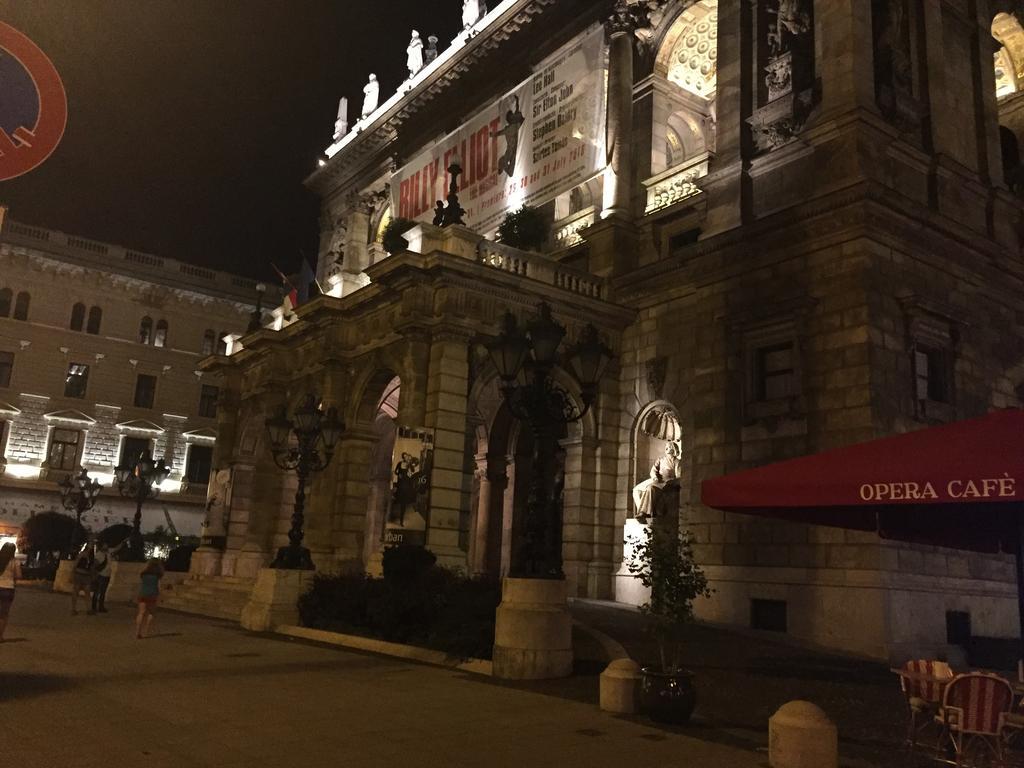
(414, 58)
(341, 124)
(431, 52)
(472, 12)
(371, 95)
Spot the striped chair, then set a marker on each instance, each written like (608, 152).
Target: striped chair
(973, 714)
(923, 682)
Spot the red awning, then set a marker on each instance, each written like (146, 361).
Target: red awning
(956, 485)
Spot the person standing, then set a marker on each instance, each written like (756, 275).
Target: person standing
(10, 572)
(84, 575)
(149, 593)
(104, 558)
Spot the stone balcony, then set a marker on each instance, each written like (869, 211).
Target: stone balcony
(676, 185)
(536, 266)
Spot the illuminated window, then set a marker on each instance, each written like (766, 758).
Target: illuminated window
(146, 331)
(208, 401)
(77, 380)
(21, 306)
(160, 338)
(132, 449)
(145, 391)
(64, 447)
(78, 317)
(95, 318)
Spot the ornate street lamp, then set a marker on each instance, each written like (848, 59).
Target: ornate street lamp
(545, 406)
(140, 481)
(316, 433)
(78, 494)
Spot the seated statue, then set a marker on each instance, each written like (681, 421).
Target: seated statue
(664, 480)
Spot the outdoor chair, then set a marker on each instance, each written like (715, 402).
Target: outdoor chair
(923, 682)
(974, 714)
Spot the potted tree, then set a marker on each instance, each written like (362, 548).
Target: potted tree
(663, 561)
(526, 229)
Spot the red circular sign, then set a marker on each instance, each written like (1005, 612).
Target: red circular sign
(35, 105)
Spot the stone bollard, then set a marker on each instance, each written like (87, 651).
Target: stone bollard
(65, 576)
(800, 735)
(620, 682)
(274, 599)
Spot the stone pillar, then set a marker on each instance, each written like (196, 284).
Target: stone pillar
(446, 415)
(533, 630)
(618, 177)
(274, 599)
(351, 509)
(508, 512)
(481, 529)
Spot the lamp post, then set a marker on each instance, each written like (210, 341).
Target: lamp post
(545, 405)
(316, 433)
(78, 494)
(140, 481)
(256, 317)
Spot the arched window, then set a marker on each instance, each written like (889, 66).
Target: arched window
(95, 318)
(78, 317)
(21, 306)
(5, 302)
(160, 339)
(209, 342)
(222, 346)
(146, 331)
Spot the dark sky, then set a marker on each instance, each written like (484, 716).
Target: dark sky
(192, 123)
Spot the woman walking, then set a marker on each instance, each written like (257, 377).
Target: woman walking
(83, 577)
(10, 572)
(149, 593)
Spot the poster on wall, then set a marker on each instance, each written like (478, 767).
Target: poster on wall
(409, 506)
(544, 138)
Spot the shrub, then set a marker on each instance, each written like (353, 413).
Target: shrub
(403, 565)
(49, 532)
(392, 239)
(526, 229)
(427, 606)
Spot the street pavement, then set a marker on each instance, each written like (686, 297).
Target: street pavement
(82, 692)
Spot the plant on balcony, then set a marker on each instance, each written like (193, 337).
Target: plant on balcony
(392, 239)
(526, 229)
(664, 562)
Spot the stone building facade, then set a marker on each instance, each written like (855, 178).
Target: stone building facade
(804, 232)
(99, 358)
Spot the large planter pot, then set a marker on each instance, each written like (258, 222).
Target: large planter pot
(667, 697)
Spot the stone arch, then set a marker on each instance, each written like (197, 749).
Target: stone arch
(686, 63)
(1009, 59)
(503, 455)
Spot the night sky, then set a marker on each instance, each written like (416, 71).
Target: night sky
(192, 123)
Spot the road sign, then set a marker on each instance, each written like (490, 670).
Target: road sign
(33, 104)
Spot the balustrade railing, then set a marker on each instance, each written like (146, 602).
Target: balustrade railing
(538, 267)
(676, 184)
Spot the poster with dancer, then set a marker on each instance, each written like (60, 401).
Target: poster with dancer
(409, 506)
(544, 138)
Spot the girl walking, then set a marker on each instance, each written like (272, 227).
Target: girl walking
(149, 593)
(10, 572)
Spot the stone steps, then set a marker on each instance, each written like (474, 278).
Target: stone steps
(221, 597)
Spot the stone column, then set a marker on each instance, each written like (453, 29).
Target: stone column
(508, 510)
(618, 177)
(481, 518)
(446, 407)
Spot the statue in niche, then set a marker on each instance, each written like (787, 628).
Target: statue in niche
(371, 95)
(791, 20)
(336, 249)
(653, 496)
(414, 54)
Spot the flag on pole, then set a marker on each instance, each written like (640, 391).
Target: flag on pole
(291, 292)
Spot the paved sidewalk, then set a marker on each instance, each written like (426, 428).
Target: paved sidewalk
(82, 692)
(743, 678)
